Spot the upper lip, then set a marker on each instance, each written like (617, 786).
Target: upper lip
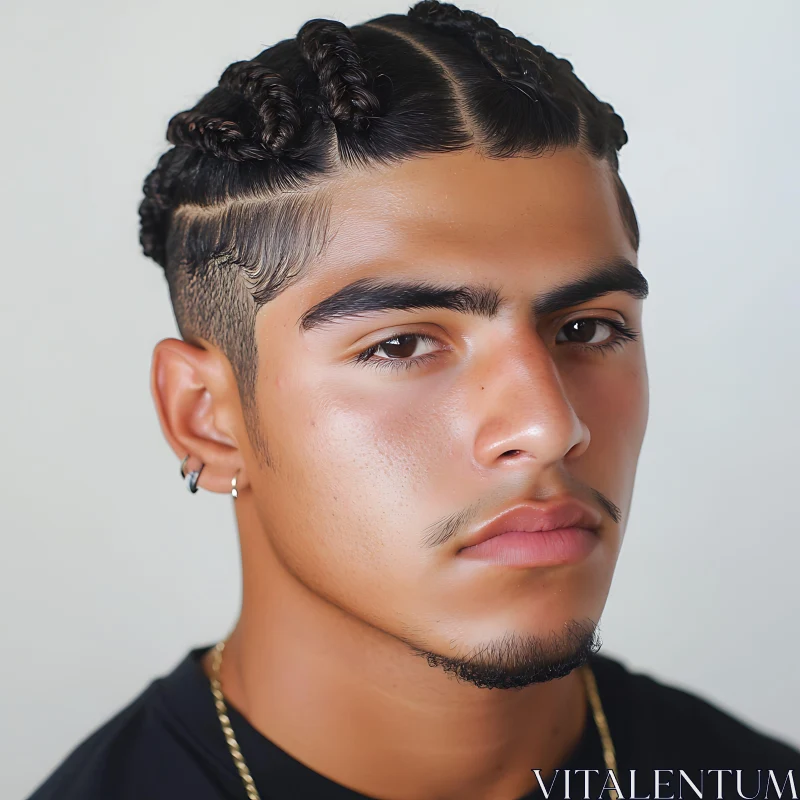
(563, 513)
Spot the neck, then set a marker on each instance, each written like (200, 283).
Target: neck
(354, 704)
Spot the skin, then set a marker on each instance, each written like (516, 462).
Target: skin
(338, 587)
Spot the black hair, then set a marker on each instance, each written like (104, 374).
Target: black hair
(239, 207)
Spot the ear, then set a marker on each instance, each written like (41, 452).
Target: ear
(199, 410)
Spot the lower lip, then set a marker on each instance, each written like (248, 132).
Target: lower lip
(534, 549)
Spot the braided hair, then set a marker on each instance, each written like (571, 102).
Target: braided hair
(238, 208)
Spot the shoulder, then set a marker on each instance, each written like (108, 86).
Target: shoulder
(666, 722)
(143, 750)
(87, 770)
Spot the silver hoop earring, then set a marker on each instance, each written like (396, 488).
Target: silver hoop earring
(234, 490)
(192, 477)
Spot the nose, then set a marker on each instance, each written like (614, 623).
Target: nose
(523, 409)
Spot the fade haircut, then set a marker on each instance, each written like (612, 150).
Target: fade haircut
(239, 207)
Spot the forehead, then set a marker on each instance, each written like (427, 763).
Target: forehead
(553, 209)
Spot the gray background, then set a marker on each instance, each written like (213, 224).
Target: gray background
(111, 570)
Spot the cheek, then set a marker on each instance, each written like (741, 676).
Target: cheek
(355, 474)
(381, 453)
(614, 404)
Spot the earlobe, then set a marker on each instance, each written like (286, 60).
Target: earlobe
(197, 406)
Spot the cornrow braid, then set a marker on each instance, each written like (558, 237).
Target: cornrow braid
(277, 108)
(274, 124)
(498, 47)
(156, 208)
(529, 67)
(329, 49)
(218, 137)
(152, 216)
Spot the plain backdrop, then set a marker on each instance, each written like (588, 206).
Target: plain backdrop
(111, 570)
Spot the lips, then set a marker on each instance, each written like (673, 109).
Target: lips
(555, 515)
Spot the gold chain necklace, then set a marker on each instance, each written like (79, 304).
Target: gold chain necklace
(249, 785)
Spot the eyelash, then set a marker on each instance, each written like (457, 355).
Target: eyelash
(366, 357)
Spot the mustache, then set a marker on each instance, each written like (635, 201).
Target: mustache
(444, 530)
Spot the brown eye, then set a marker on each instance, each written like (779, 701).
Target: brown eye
(399, 350)
(407, 345)
(583, 331)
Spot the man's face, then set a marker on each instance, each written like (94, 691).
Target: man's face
(375, 459)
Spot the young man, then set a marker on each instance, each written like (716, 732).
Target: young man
(404, 269)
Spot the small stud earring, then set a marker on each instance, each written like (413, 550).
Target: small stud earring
(234, 490)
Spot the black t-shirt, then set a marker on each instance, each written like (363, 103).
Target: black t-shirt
(167, 744)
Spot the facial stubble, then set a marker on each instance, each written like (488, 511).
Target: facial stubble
(516, 660)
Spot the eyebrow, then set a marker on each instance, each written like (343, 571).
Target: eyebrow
(370, 295)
